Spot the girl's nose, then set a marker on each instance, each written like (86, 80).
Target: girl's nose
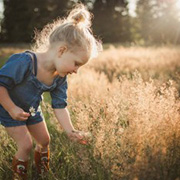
(75, 71)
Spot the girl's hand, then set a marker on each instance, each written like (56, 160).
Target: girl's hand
(18, 114)
(80, 136)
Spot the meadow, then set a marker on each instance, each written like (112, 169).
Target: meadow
(128, 98)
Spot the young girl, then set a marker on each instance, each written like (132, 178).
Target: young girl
(25, 76)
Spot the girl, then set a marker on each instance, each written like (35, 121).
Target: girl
(25, 76)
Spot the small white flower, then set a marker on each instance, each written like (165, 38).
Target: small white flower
(32, 111)
(39, 109)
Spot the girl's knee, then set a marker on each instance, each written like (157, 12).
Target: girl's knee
(29, 147)
(26, 146)
(46, 141)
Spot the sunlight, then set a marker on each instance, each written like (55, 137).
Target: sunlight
(178, 4)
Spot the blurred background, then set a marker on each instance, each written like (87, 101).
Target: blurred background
(141, 22)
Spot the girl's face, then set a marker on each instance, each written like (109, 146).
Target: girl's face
(69, 62)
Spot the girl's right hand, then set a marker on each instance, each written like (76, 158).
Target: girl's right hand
(80, 137)
(18, 114)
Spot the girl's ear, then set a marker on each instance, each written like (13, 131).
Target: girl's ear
(61, 50)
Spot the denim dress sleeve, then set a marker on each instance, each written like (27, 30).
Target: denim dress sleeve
(14, 71)
(59, 95)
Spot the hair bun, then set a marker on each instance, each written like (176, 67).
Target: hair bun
(80, 16)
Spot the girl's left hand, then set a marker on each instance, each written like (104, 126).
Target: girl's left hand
(79, 136)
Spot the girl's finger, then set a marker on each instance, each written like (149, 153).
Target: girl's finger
(22, 118)
(25, 114)
(79, 136)
(74, 137)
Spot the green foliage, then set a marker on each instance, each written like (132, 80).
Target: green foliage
(155, 21)
(21, 18)
(111, 20)
(2, 61)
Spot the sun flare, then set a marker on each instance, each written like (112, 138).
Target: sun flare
(178, 4)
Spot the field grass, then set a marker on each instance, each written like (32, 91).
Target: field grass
(128, 98)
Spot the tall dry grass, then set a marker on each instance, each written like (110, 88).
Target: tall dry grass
(128, 98)
(159, 63)
(135, 124)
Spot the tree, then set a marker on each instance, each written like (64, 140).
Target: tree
(15, 23)
(22, 17)
(158, 21)
(111, 20)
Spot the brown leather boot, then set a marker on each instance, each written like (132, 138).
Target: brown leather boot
(19, 169)
(42, 161)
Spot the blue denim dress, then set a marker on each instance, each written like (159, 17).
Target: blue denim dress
(18, 76)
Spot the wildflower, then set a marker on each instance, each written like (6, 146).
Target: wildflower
(32, 111)
(85, 137)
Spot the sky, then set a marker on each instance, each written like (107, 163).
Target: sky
(132, 7)
(1, 8)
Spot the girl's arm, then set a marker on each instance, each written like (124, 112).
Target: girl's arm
(64, 119)
(14, 111)
(5, 100)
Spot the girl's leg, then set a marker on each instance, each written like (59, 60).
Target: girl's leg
(40, 133)
(24, 143)
(41, 155)
(23, 140)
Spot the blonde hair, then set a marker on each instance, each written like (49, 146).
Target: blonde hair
(74, 31)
